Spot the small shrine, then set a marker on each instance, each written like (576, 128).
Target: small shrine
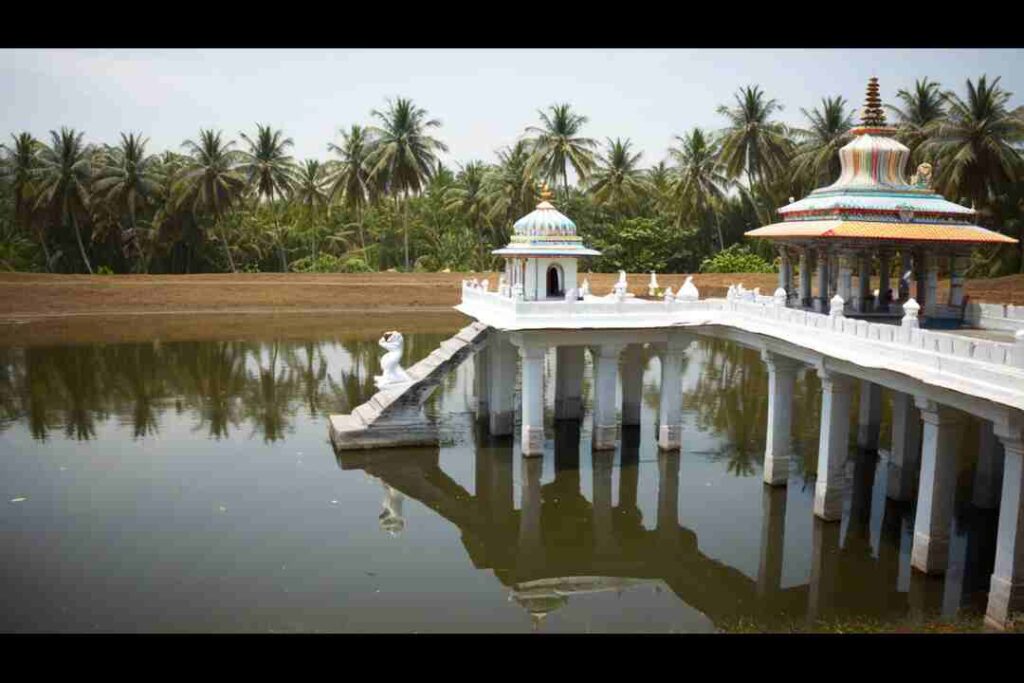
(868, 217)
(541, 258)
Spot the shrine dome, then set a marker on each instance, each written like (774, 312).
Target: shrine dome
(545, 231)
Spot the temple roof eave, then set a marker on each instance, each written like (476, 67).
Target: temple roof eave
(880, 231)
(558, 252)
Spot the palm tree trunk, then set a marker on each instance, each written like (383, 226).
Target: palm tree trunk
(81, 247)
(405, 225)
(227, 247)
(359, 222)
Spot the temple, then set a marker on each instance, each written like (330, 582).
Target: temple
(867, 218)
(541, 258)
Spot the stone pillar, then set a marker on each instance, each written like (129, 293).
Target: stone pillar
(836, 390)
(821, 301)
(481, 383)
(533, 398)
(884, 266)
(932, 286)
(778, 442)
(668, 494)
(906, 266)
(783, 268)
(905, 452)
(569, 383)
(606, 370)
(632, 384)
(988, 475)
(864, 282)
(870, 415)
(957, 267)
(502, 378)
(773, 527)
(937, 486)
(1006, 592)
(602, 468)
(805, 277)
(670, 408)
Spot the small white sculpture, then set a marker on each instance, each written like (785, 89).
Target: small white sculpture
(652, 286)
(731, 294)
(393, 343)
(780, 297)
(621, 287)
(688, 292)
(485, 285)
(669, 296)
(585, 288)
(836, 306)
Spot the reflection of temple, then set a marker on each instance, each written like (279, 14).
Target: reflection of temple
(559, 544)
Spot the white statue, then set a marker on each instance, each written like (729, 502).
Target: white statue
(669, 296)
(652, 286)
(621, 287)
(485, 285)
(394, 344)
(731, 294)
(688, 292)
(780, 297)
(585, 288)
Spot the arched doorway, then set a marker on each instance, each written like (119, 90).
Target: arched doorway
(555, 282)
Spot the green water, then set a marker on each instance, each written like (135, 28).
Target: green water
(191, 486)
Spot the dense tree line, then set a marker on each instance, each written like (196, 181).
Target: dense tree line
(383, 200)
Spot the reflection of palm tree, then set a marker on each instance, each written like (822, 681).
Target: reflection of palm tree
(268, 400)
(138, 378)
(216, 378)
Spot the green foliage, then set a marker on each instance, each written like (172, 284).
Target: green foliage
(355, 265)
(104, 270)
(736, 259)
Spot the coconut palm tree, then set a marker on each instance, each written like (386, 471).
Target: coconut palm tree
(557, 144)
(922, 106)
(976, 145)
(699, 180)
(404, 156)
(211, 181)
(312, 193)
(19, 163)
(269, 172)
(510, 189)
(618, 180)
(753, 144)
(816, 157)
(127, 180)
(467, 197)
(62, 179)
(350, 179)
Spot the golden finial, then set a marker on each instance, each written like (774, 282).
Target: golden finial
(545, 192)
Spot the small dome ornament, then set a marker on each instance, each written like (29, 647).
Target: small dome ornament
(546, 195)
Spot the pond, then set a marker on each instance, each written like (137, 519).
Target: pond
(190, 486)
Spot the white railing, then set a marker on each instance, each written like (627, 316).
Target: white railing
(633, 312)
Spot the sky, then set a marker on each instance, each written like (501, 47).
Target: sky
(484, 98)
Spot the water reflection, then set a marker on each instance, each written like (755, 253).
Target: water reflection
(220, 386)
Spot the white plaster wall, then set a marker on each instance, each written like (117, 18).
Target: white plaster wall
(537, 272)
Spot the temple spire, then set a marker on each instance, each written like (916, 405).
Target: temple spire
(873, 116)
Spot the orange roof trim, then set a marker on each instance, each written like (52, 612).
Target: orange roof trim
(934, 232)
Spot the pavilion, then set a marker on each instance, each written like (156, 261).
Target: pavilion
(871, 213)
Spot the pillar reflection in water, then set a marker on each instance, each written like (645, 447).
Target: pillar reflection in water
(773, 527)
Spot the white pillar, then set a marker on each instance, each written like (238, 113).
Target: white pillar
(670, 407)
(905, 452)
(884, 266)
(773, 527)
(569, 383)
(957, 267)
(937, 487)
(1006, 591)
(988, 475)
(778, 442)
(821, 301)
(481, 383)
(805, 277)
(836, 390)
(532, 357)
(632, 383)
(606, 370)
(869, 415)
(602, 468)
(502, 378)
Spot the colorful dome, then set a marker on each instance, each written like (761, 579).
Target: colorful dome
(872, 198)
(544, 220)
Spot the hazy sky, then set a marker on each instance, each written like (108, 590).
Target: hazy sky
(484, 98)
